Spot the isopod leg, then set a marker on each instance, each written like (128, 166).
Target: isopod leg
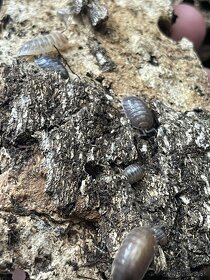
(152, 130)
(145, 132)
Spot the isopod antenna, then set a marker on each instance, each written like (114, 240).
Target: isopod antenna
(67, 63)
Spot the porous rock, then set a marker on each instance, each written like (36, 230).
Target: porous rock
(70, 142)
(65, 206)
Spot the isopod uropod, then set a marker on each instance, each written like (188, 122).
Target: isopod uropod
(44, 44)
(134, 172)
(136, 253)
(53, 64)
(138, 113)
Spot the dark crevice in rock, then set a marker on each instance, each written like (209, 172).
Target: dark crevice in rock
(93, 169)
(164, 25)
(6, 276)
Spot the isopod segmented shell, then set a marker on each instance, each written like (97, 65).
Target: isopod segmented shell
(44, 44)
(134, 173)
(138, 113)
(53, 64)
(136, 253)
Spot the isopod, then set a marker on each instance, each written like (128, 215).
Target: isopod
(64, 13)
(73, 8)
(138, 113)
(53, 64)
(44, 44)
(134, 173)
(136, 253)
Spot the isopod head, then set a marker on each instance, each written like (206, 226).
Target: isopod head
(159, 234)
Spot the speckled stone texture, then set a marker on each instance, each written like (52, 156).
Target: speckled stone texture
(65, 206)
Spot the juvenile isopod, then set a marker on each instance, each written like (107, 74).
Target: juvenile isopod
(64, 13)
(134, 173)
(73, 8)
(138, 113)
(44, 44)
(53, 64)
(136, 253)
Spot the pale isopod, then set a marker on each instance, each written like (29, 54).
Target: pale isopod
(134, 173)
(73, 8)
(136, 253)
(53, 64)
(64, 13)
(44, 44)
(139, 115)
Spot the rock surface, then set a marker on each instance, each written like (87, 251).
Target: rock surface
(65, 206)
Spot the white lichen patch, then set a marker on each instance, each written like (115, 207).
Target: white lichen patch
(184, 199)
(5, 160)
(202, 140)
(207, 206)
(207, 185)
(20, 113)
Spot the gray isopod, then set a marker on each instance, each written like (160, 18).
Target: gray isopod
(134, 173)
(138, 113)
(53, 64)
(136, 253)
